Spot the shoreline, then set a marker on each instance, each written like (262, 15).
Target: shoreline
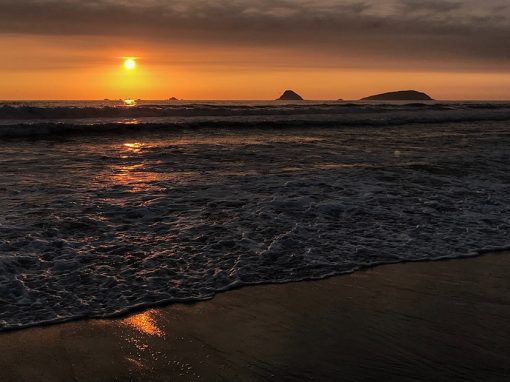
(417, 320)
(132, 310)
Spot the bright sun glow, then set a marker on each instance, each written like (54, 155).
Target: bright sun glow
(129, 63)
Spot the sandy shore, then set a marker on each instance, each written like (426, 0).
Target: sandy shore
(411, 322)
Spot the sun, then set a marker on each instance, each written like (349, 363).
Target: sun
(129, 63)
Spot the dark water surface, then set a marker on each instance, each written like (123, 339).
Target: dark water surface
(95, 224)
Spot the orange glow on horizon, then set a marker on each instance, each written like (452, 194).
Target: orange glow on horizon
(49, 68)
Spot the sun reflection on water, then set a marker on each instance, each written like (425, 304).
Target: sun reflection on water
(135, 172)
(131, 121)
(129, 102)
(134, 147)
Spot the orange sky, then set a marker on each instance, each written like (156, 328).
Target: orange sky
(209, 57)
(44, 70)
(194, 83)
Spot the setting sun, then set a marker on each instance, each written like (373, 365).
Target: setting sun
(129, 64)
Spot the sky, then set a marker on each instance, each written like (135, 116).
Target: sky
(253, 49)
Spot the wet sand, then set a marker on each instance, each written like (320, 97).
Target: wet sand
(428, 321)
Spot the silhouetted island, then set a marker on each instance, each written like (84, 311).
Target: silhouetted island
(402, 95)
(173, 99)
(289, 95)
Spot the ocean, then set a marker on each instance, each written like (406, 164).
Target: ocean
(106, 208)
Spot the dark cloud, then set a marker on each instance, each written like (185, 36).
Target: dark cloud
(426, 31)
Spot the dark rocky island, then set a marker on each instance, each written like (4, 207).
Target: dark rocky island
(289, 95)
(402, 95)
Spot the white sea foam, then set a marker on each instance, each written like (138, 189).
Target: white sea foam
(96, 225)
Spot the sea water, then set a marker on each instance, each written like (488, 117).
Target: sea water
(106, 208)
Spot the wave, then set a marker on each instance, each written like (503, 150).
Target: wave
(161, 302)
(32, 112)
(64, 118)
(39, 128)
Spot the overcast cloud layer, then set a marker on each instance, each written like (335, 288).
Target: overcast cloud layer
(452, 30)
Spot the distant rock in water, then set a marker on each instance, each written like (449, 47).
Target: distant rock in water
(289, 95)
(403, 95)
(173, 99)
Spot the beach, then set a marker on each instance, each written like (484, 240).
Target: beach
(306, 190)
(425, 321)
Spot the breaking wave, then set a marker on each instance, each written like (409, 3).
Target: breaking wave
(32, 120)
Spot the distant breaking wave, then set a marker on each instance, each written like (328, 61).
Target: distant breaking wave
(36, 119)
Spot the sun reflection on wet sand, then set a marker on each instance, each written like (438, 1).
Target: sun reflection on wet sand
(146, 346)
(143, 330)
(145, 323)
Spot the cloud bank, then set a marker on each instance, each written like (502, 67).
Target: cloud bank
(428, 31)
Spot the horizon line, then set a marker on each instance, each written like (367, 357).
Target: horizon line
(244, 100)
